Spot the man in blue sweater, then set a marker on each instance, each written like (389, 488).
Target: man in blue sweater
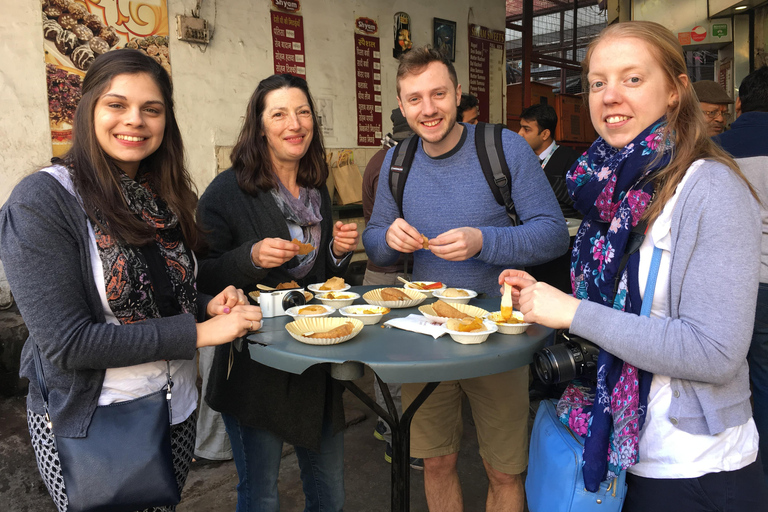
(746, 141)
(471, 239)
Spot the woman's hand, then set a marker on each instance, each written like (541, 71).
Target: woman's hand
(225, 301)
(226, 327)
(546, 305)
(344, 238)
(517, 279)
(273, 252)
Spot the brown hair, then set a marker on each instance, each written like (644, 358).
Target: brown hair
(685, 121)
(95, 175)
(250, 156)
(414, 61)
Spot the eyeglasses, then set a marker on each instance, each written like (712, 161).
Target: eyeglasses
(712, 114)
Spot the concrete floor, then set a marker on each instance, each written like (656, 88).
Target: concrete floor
(211, 488)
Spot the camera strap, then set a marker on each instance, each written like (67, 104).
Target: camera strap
(635, 240)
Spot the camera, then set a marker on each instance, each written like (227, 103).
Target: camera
(571, 357)
(275, 303)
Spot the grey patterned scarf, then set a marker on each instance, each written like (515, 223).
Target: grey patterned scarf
(303, 211)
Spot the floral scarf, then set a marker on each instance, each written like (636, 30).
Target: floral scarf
(303, 211)
(131, 294)
(612, 188)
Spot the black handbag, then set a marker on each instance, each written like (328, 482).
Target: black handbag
(125, 462)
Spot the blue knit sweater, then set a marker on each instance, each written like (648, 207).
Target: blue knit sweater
(450, 192)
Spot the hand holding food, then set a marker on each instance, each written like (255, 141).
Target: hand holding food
(337, 332)
(225, 328)
(272, 252)
(223, 303)
(517, 279)
(458, 244)
(344, 238)
(403, 237)
(546, 305)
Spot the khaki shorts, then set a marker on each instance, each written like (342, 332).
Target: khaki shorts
(500, 410)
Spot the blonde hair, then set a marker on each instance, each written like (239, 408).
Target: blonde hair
(685, 121)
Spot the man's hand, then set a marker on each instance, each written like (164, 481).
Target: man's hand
(403, 237)
(457, 244)
(273, 252)
(344, 238)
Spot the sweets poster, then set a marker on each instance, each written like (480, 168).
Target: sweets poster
(288, 38)
(77, 31)
(481, 40)
(367, 82)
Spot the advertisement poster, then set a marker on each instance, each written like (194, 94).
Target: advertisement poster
(367, 82)
(403, 41)
(75, 34)
(481, 41)
(288, 38)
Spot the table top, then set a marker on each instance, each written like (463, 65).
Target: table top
(400, 356)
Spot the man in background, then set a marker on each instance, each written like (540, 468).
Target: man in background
(746, 141)
(537, 127)
(714, 104)
(385, 276)
(469, 109)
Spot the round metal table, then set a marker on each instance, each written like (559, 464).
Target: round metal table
(400, 356)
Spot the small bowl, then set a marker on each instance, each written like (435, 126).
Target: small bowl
(316, 288)
(473, 338)
(374, 298)
(300, 326)
(504, 328)
(455, 300)
(373, 317)
(295, 311)
(427, 293)
(346, 299)
(428, 312)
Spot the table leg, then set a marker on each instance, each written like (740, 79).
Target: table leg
(401, 438)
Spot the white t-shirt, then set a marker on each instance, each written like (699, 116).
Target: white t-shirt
(665, 451)
(129, 382)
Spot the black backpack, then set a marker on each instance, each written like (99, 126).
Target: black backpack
(490, 152)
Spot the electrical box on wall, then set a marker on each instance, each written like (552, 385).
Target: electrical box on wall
(192, 30)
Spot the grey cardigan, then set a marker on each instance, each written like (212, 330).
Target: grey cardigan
(45, 248)
(702, 344)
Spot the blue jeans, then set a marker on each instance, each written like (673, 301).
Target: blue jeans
(758, 371)
(257, 455)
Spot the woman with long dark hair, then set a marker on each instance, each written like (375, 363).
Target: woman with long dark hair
(98, 249)
(275, 192)
(671, 404)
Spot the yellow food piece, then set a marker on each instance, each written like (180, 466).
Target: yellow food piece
(336, 296)
(468, 324)
(312, 310)
(334, 283)
(337, 332)
(303, 248)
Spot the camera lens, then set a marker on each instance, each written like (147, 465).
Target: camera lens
(293, 298)
(557, 363)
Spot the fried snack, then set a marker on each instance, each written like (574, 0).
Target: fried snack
(468, 324)
(312, 310)
(303, 248)
(337, 332)
(287, 286)
(335, 296)
(454, 292)
(334, 283)
(424, 242)
(393, 294)
(447, 311)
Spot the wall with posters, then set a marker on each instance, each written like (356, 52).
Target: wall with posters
(213, 83)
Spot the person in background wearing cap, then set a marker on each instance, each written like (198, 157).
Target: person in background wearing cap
(714, 104)
(384, 276)
(746, 142)
(469, 109)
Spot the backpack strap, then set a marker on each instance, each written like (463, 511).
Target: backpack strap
(400, 166)
(490, 152)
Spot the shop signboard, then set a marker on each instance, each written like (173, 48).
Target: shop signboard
(482, 41)
(288, 38)
(368, 81)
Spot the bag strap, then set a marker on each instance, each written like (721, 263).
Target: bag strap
(400, 166)
(650, 285)
(490, 152)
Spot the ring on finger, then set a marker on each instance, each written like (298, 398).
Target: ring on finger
(251, 326)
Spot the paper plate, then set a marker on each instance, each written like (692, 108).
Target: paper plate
(428, 312)
(295, 311)
(428, 293)
(374, 298)
(473, 338)
(505, 328)
(298, 327)
(471, 294)
(316, 288)
(367, 318)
